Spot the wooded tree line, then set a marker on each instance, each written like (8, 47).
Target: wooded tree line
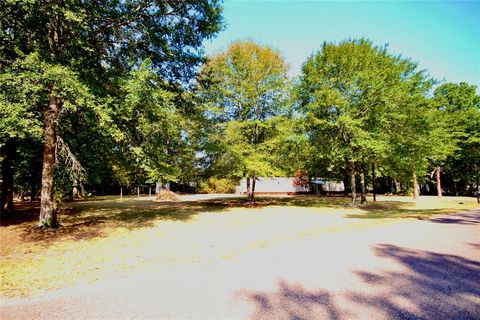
(101, 94)
(355, 113)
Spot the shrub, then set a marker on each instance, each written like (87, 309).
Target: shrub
(218, 185)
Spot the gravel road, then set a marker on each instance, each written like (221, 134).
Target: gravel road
(410, 269)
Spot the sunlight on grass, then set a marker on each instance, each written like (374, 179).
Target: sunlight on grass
(110, 238)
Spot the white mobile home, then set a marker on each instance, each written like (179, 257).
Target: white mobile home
(319, 186)
(290, 185)
(274, 185)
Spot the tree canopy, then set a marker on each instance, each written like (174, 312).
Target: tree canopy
(246, 90)
(80, 52)
(103, 95)
(364, 106)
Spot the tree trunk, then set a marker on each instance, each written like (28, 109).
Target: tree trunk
(363, 194)
(394, 186)
(346, 183)
(248, 187)
(252, 194)
(352, 181)
(373, 183)
(415, 185)
(33, 188)
(48, 215)
(438, 171)
(8, 151)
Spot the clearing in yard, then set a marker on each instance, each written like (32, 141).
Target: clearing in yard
(290, 242)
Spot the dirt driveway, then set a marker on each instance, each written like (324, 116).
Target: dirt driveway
(409, 269)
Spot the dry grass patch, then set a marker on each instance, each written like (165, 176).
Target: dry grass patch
(109, 238)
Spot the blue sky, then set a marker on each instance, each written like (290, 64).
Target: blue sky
(443, 37)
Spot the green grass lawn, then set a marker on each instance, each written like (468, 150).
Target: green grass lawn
(107, 238)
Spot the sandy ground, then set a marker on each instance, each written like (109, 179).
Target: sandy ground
(409, 269)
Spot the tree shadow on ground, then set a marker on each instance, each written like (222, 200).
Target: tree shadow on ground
(437, 286)
(25, 211)
(398, 209)
(372, 210)
(292, 301)
(90, 219)
(434, 286)
(29, 211)
(86, 219)
(95, 218)
(308, 201)
(467, 218)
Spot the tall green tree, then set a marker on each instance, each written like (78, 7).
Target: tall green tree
(27, 85)
(156, 135)
(459, 105)
(423, 137)
(89, 46)
(349, 93)
(410, 144)
(246, 90)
